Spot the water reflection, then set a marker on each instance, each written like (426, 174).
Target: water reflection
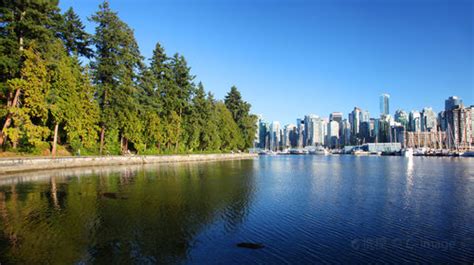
(304, 209)
(129, 215)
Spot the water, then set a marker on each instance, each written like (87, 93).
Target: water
(303, 209)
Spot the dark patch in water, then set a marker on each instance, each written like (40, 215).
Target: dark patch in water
(250, 245)
(113, 195)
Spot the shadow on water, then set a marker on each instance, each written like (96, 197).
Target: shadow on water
(130, 214)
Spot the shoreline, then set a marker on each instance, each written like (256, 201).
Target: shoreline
(17, 165)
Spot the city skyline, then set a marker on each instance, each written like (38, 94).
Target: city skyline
(392, 111)
(449, 128)
(290, 59)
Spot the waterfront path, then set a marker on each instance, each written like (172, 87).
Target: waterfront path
(14, 165)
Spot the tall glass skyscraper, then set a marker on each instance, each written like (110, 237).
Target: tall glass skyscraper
(384, 104)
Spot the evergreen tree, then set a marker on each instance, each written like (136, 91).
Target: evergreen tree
(116, 67)
(230, 135)
(211, 140)
(30, 119)
(240, 110)
(72, 33)
(22, 22)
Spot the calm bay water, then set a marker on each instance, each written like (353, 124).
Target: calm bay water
(303, 209)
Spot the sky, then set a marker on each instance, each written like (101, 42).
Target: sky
(291, 58)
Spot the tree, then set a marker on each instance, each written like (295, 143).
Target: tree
(229, 133)
(116, 67)
(240, 110)
(71, 102)
(22, 23)
(30, 119)
(72, 33)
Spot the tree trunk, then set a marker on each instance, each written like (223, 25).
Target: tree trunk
(102, 134)
(55, 139)
(8, 119)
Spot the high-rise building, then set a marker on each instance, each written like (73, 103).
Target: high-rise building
(310, 133)
(452, 102)
(415, 121)
(275, 136)
(333, 134)
(458, 123)
(300, 128)
(428, 120)
(346, 129)
(335, 116)
(364, 116)
(401, 117)
(290, 136)
(384, 104)
(354, 118)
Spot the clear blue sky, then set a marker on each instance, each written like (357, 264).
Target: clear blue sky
(290, 58)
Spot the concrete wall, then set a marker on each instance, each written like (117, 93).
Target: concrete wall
(12, 165)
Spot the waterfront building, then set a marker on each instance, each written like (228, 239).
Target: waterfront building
(290, 136)
(275, 136)
(346, 132)
(414, 121)
(384, 104)
(459, 128)
(365, 132)
(333, 134)
(442, 121)
(385, 133)
(335, 116)
(309, 128)
(452, 102)
(300, 128)
(319, 129)
(401, 117)
(382, 147)
(428, 120)
(354, 119)
(364, 116)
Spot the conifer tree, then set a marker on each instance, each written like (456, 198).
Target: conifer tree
(116, 67)
(240, 110)
(22, 23)
(72, 33)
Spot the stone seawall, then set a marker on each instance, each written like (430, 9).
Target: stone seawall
(13, 165)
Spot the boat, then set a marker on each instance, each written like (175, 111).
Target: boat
(296, 151)
(360, 152)
(419, 151)
(376, 153)
(319, 151)
(407, 152)
(468, 154)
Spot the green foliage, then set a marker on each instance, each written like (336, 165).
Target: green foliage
(240, 110)
(155, 109)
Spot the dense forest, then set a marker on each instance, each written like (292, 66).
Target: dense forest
(66, 91)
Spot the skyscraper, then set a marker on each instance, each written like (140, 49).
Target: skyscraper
(310, 133)
(333, 134)
(415, 121)
(428, 120)
(452, 103)
(354, 119)
(384, 104)
(275, 136)
(402, 117)
(335, 116)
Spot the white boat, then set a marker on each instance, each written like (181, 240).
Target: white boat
(360, 152)
(319, 151)
(408, 152)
